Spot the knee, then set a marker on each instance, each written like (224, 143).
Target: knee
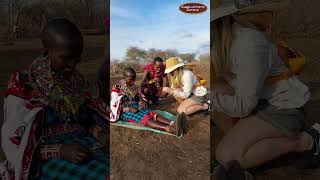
(226, 153)
(222, 155)
(181, 110)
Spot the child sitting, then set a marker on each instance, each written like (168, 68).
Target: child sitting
(130, 105)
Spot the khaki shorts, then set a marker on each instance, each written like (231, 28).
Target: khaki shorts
(198, 99)
(289, 121)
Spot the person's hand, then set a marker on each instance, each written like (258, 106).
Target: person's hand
(74, 153)
(152, 81)
(166, 90)
(133, 110)
(143, 105)
(130, 109)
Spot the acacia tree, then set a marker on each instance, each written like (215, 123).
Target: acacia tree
(188, 57)
(135, 54)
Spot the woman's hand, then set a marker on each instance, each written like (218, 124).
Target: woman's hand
(74, 153)
(166, 90)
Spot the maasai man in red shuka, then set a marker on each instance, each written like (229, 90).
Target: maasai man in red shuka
(154, 79)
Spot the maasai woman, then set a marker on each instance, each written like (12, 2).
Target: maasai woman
(270, 115)
(130, 105)
(153, 80)
(53, 128)
(184, 86)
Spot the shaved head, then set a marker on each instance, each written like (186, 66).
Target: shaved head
(63, 42)
(62, 32)
(129, 72)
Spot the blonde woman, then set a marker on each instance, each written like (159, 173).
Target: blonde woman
(270, 116)
(185, 87)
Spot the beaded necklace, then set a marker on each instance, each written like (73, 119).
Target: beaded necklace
(64, 96)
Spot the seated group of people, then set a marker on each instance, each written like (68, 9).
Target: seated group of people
(55, 129)
(130, 103)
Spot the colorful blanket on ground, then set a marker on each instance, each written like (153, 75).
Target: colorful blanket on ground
(144, 128)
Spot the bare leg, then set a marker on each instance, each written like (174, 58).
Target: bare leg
(224, 121)
(163, 120)
(253, 141)
(272, 148)
(179, 100)
(190, 106)
(193, 108)
(157, 125)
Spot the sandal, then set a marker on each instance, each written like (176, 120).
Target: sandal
(235, 172)
(209, 105)
(219, 173)
(310, 159)
(183, 118)
(175, 128)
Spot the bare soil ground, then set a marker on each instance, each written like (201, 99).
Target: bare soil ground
(146, 155)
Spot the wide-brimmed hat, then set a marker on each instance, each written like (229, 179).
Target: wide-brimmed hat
(172, 63)
(221, 8)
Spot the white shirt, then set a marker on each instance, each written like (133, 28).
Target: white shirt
(253, 59)
(188, 81)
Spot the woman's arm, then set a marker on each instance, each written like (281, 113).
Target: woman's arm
(187, 83)
(252, 68)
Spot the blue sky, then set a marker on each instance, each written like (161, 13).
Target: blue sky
(157, 24)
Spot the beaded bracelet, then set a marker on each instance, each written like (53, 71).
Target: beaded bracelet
(50, 151)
